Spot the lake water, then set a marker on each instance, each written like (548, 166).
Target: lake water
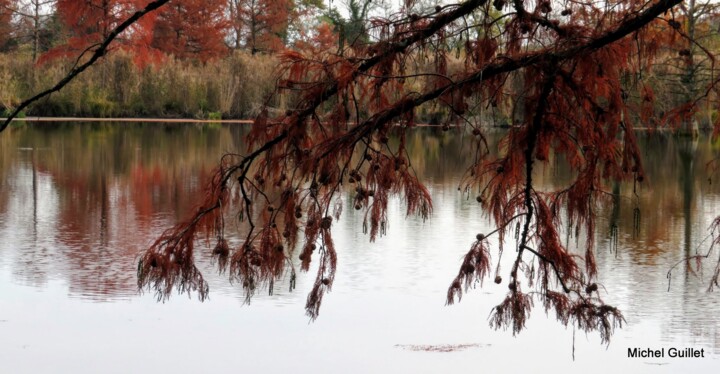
(79, 201)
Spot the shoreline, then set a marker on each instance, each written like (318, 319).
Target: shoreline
(694, 132)
(155, 120)
(127, 119)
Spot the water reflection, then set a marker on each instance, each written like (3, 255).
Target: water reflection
(78, 201)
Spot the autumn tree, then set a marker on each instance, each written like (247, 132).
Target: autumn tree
(320, 39)
(89, 22)
(191, 29)
(261, 25)
(6, 13)
(575, 65)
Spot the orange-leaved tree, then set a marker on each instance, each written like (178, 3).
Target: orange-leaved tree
(90, 23)
(192, 29)
(5, 22)
(261, 25)
(571, 74)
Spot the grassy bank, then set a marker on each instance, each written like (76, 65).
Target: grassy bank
(234, 87)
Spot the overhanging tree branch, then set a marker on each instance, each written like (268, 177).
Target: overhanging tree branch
(507, 65)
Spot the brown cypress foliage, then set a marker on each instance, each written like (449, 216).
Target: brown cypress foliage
(348, 125)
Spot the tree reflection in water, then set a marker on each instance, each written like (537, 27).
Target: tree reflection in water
(78, 202)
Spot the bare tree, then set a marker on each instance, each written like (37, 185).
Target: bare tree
(35, 13)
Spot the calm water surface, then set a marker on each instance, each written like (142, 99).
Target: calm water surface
(79, 201)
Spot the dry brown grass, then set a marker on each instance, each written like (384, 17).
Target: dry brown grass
(233, 87)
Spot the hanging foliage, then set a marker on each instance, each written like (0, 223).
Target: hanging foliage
(563, 71)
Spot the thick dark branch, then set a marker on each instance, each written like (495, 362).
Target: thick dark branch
(552, 263)
(632, 24)
(508, 65)
(531, 140)
(391, 49)
(523, 13)
(102, 49)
